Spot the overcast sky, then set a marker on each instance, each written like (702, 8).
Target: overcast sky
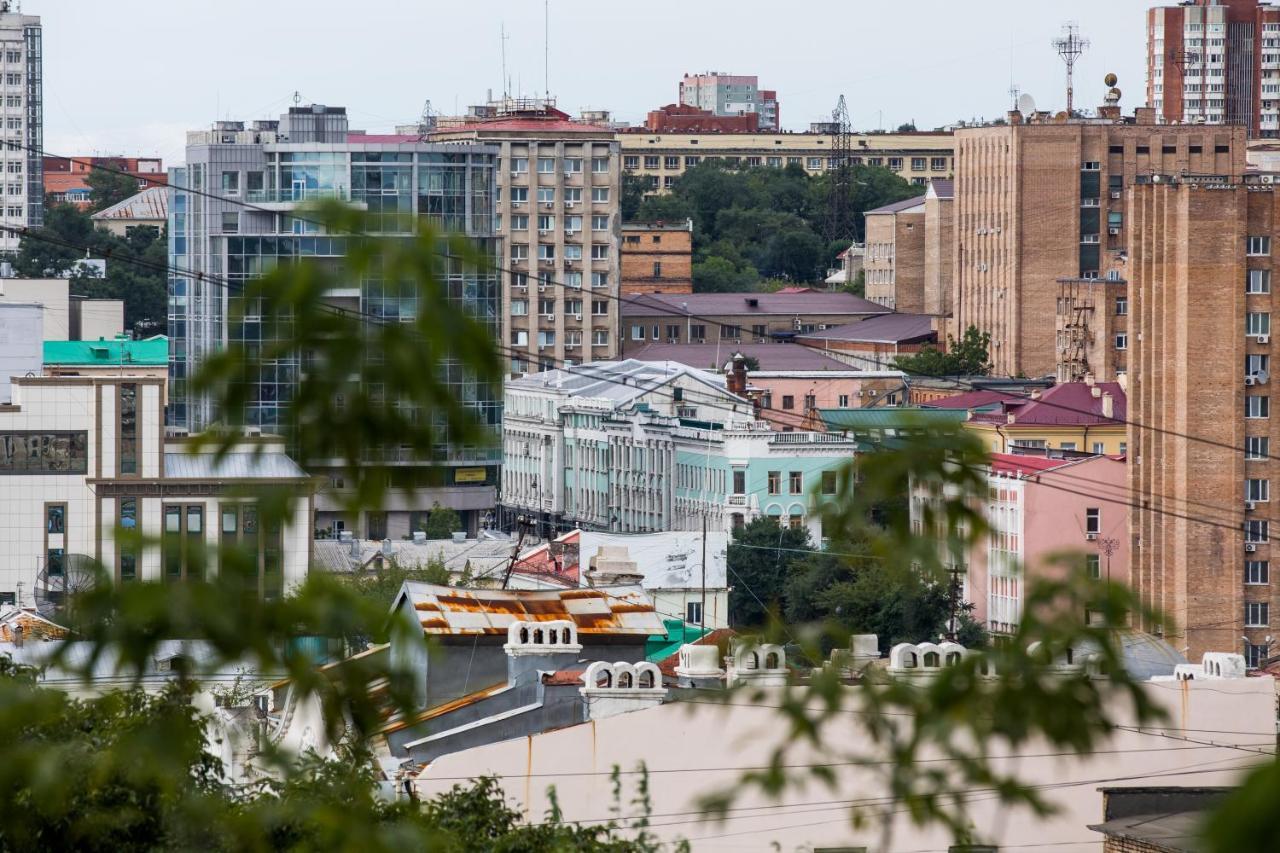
(131, 76)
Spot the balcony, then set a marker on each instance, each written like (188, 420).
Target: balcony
(285, 198)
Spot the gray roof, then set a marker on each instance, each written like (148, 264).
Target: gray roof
(779, 356)
(232, 466)
(616, 381)
(885, 329)
(151, 203)
(813, 304)
(898, 206)
(943, 187)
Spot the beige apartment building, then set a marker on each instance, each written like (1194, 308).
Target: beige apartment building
(1200, 285)
(894, 259)
(916, 157)
(559, 196)
(1041, 200)
(1091, 326)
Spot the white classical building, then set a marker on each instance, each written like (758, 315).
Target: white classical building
(637, 447)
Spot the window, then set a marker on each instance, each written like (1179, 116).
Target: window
(1067, 445)
(788, 401)
(573, 338)
(546, 195)
(600, 338)
(44, 452)
(1091, 166)
(572, 165)
(55, 562)
(938, 164)
(631, 161)
(600, 195)
(573, 306)
(815, 162)
(600, 165)
(828, 482)
(599, 222)
(1255, 530)
(546, 165)
(1257, 406)
(599, 251)
(1093, 520)
(1257, 447)
(1122, 341)
(775, 482)
(546, 339)
(55, 518)
(546, 252)
(1259, 281)
(844, 401)
(1257, 490)
(1122, 306)
(1257, 323)
(573, 279)
(1258, 246)
(693, 612)
(1257, 614)
(1257, 572)
(182, 542)
(127, 519)
(230, 222)
(546, 222)
(730, 332)
(519, 165)
(599, 307)
(519, 222)
(918, 164)
(520, 339)
(547, 305)
(652, 161)
(572, 252)
(127, 401)
(231, 183)
(697, 332)
(1093, 563)
(739, 482)
(1098, 448)
(599, 279)
(637, 333)
(796, 482)
(1255, 654)
(670, 162)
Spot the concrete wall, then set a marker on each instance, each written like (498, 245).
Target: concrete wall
(694, 748)
(939, 234)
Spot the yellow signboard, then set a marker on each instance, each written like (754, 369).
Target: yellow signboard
(470, 475)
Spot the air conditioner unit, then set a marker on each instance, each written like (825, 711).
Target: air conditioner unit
(1115, 194)
(515, 203)
(578, 317)
(1113, 231)
(1268, 179)
(872, 392)
(548, 204)
(1264, 339)
(572, 232)
(1250, 381)
(1092, 537)
(1250, 547)
(570, 204)
(1250, 506)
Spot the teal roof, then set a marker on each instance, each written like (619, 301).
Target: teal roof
(151, 352)
(658, 648)
(857, 420)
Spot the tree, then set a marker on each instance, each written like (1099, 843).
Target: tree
(108, 187)
(714, 274)
(906, 127)
(970, 356)
(441, 522)
(760, 559)
(634, 189)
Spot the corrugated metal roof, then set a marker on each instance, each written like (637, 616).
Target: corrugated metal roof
(885, 329)
(617, 381)
(898, 206)
(615, 610)
(232, 466)
(781, 356)
(151, 203)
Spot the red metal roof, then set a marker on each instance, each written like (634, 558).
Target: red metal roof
(1069, 404)
(973, 400)
(1011, 463)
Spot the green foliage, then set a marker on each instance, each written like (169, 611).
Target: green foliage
(760, 558)
(760, 222)
(634, 189)
(970, 356)
(108, 187)
(135, 264)
(377, 589)
(441, 522)
(906, 127)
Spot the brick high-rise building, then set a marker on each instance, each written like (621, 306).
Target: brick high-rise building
(894, 263)
(21, 90)
(1043, 200)
(1200, 404)
(1216, 62)
(657, 257)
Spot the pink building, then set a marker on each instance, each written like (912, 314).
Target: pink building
(1039, 507)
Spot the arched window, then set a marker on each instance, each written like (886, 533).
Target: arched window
(524, 635)
(624, 681)
(1071, 656)
(931, 660)
(607, 681)
(771, 660)
(646, 679)
(537, 636)
(565, 636)
(552, 636)
(753, 660)
(909, 661)
(953, 658)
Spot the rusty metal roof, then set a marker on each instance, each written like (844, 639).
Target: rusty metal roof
(600, 611)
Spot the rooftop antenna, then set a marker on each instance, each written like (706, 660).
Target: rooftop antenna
(297, 98)
(502, 41)
(1069, 46)
(1014, 92)
(546, 47)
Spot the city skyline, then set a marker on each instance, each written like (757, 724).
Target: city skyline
(219, 71)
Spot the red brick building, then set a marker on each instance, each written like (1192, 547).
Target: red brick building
(681, 118)
(65, 177)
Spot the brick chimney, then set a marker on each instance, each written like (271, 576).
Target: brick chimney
(1108, 405)
(737, 379)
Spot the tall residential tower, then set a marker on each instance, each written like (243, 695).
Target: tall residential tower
(22, 102)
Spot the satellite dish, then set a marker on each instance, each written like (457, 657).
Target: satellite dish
(1026, 105)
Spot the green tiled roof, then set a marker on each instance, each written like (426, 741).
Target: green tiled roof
(659, 648)
(151, 352)
(858, 420)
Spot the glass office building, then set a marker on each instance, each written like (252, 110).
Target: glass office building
(232, 218)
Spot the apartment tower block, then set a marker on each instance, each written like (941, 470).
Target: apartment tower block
(22, 114)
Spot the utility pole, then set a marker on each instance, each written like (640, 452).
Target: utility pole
(953, 596)
(702, 608)
(521, 524)
(840, 175)
(1108, 547)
